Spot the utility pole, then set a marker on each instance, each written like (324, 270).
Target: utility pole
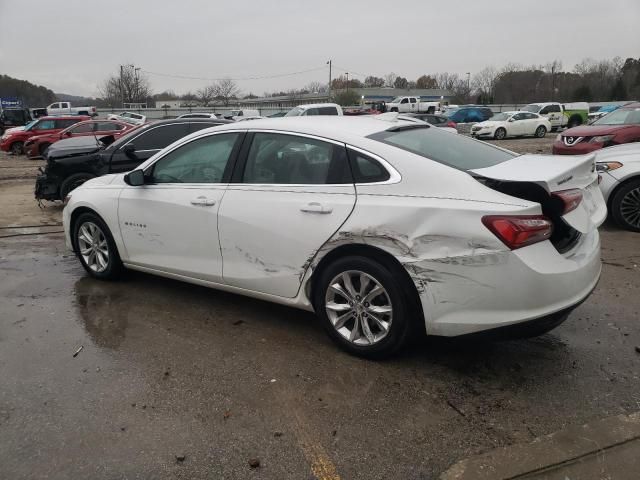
(347, 74)
(122, 84)
(329, 90)
(469, 85)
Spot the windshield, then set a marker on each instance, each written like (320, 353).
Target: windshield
(397, 100)
(30, 124)
(456, 151)
(235, 113)
(622, 116)
(125, 138)
(534, 108)
(451, 112)
(501, 117)
(295, 112)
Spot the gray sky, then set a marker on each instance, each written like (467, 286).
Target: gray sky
(71, 46)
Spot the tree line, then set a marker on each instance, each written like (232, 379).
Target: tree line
(27, 92)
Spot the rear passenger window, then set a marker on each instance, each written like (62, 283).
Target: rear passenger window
(159, 137)
(366, 169)
(67, 123)
(327, 111)
(288, 159)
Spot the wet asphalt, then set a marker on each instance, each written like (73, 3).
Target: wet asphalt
(179, 381)
(169, 370)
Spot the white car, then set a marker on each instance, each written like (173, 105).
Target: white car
(384, 228)
(201, 115)
(619, 169)
(512, 124)
(129, 117)
(314, 109)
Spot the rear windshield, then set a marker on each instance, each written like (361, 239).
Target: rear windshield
(457, 151)
(533, 108)
(125, 138)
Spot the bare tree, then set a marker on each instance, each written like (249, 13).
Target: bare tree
(389, 79)
(426, 81)
(401, 82)
(130, 86)
(226, 90)
(315, 87)
(484, 83)
(206, 94)
(372, 81)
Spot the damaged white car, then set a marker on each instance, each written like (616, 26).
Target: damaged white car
(383, 228)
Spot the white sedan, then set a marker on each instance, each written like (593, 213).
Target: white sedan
(619, 168)
(512, 124)
(384, 228)
(129, 117)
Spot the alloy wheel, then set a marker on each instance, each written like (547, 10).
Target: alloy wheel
(93, 247)
(630, 207)
(359, 308)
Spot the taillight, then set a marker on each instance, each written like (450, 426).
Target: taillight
(451, 124)
(517, 231)
(570, 199)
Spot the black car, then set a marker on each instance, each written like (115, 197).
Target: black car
(13, 117)
(72, 162)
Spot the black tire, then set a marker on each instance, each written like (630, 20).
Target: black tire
(500, 134)
(402, 323)
(574, 121)
(541, 131)
(83, 113)
(43, 149)
(394, 109)
(114, 265)
(17, 148)
(622, 205)
(73, 182)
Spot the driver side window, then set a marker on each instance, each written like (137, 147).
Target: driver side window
(201, 161)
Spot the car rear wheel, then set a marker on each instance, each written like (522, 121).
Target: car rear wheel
(363, 307)
(541, 131)
(73, 182)
(17, 148)
(500, 134)
(95, 247)
(625, 206)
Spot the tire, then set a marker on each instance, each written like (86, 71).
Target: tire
(394, 109)
(500, 134)
(73, 182)
(625, 206)
(574, 122)
(17, 148)
(83, 113)
(90, 234)
(43, 149)
(391, 307)
(541, 131)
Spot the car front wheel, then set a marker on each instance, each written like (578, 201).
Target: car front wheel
(500, 134)
(17, 148)
(95, 247)
(541, 131)
(625, 206)
(363, 307)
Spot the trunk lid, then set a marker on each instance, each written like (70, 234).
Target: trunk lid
(556, 174)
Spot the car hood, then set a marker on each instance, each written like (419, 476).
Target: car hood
(592, 130)
(105, 180)
(13, 130)
(489, 123)
(74, 146)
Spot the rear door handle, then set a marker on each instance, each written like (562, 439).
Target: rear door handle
(316, 207)
(203, 201)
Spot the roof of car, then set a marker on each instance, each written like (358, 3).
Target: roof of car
(64, 117)
(216, 121)
(316, 105)
(631, 105)
(329, 126)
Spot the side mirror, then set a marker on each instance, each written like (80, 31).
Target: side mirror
(134, 178)
(129, 150)
(511, 120)
(68, 134)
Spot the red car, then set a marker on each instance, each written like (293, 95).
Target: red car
(620, 126)
(13, 140)
(37, 145)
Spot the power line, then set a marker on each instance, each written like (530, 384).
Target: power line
(262, 77)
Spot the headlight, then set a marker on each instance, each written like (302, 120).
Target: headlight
(558, 137)
(608, 166)
(602, 139)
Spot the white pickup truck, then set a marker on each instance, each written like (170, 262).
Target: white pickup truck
(65, 108)
(412, 104)
(561, 115)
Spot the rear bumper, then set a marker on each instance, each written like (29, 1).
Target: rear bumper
(559, 148)
(46, 188)
(508, 288)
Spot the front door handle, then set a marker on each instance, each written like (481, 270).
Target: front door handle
(203, 201)
(316, 207)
